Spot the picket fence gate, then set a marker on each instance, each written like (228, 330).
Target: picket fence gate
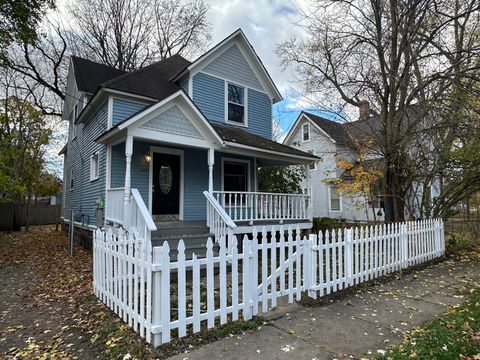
(157, 295)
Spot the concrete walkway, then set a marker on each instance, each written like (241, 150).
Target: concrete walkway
(361, 325)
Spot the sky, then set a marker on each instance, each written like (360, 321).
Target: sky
(266, 23)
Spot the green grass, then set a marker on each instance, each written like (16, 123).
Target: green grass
(455, 335)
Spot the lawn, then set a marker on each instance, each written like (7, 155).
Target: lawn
(47, 309)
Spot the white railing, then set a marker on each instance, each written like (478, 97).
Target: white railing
(139, 217)
(259, 206)
(114, 205)
(139, 287)
(218, 221)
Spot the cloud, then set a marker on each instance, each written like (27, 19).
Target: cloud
(265, 23)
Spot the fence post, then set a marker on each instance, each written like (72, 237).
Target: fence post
(312, 266)
(404, 246)
(349, 256)
(247, 284)
(156, 295)
(442, 237)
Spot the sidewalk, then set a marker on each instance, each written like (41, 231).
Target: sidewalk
(361, 325)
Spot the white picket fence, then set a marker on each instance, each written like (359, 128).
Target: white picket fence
(159, 297)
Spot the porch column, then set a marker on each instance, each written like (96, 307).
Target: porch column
(310, 196)
(211, 162)
(128, 166)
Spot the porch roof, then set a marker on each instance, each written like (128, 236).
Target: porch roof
(227, 137)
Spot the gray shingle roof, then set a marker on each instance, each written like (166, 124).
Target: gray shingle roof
(242, 137)
(89, 74)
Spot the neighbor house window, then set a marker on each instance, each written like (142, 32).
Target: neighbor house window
(313, 164)
(306, 132)
(236, 104)
(335, 199)
(94, 167)
(235, 178)
(71, 179)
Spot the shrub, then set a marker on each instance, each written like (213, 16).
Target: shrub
(326, 223)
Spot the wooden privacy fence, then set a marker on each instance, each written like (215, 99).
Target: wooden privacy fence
(13, 216)
(159, 297)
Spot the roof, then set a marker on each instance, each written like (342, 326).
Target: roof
(334, 129)
(151, 81)
(239, 136)
(89, 74)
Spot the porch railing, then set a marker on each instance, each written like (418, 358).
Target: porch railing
(218, 221)
(114, 205)
(259, 206)
(139, 216)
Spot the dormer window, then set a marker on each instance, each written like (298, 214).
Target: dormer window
(306, 132)
(236, 113)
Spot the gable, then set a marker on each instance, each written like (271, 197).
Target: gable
(295, 133)
(173, 120)
(232, 65)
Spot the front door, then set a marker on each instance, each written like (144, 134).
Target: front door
(166, 184)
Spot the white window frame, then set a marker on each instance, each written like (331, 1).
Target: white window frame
(71, 180)
(314, 163)
(243, 161)
(94, 166)
(303, 132)
(340, 198)
(245, 104)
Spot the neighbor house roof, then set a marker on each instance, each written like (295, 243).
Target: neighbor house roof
(89, 74)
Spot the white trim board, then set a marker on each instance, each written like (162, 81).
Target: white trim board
(245, 161)
(171, 151)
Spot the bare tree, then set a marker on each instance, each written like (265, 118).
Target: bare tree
(397, 55)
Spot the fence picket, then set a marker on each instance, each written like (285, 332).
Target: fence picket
(134, 279)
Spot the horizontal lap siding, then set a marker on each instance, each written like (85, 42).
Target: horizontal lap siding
(85, 194)
(259, 114)
(209, 96)
(195, 183)
(117, 178)
(123, 109)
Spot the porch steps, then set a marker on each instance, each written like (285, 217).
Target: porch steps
(193, 233)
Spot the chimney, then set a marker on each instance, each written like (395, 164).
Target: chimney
(363, 109)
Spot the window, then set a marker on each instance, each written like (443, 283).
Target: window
(71, 179)
(235, 176)
(236, 104)
(335, 199)
(306, 132)
(313, 164)
(94, 167)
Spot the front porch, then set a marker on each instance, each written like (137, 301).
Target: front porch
(169, 164)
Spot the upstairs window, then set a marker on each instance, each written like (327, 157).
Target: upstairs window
(335, 199)
(94, 167)
(306, 132)
(236, 104)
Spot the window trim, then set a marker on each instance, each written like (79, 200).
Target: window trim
(243, 161)
(92, 172)
(312, 151)
(330, 199)
(245, 104)
(71, 178)
(303, 132)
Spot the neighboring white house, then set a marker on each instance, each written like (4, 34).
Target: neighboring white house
(328, 139)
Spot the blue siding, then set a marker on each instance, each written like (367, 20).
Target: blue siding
(85, 194)
(123, 109)
(233, 66)
(195, 175)
(259, 114)
(209, 96)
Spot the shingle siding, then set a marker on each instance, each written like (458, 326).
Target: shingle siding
(123, 109)
(232, 65)
(86, 193)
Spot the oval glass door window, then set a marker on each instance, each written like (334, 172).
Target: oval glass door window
(165, 178)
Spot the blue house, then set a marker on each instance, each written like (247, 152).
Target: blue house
(173, 149)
